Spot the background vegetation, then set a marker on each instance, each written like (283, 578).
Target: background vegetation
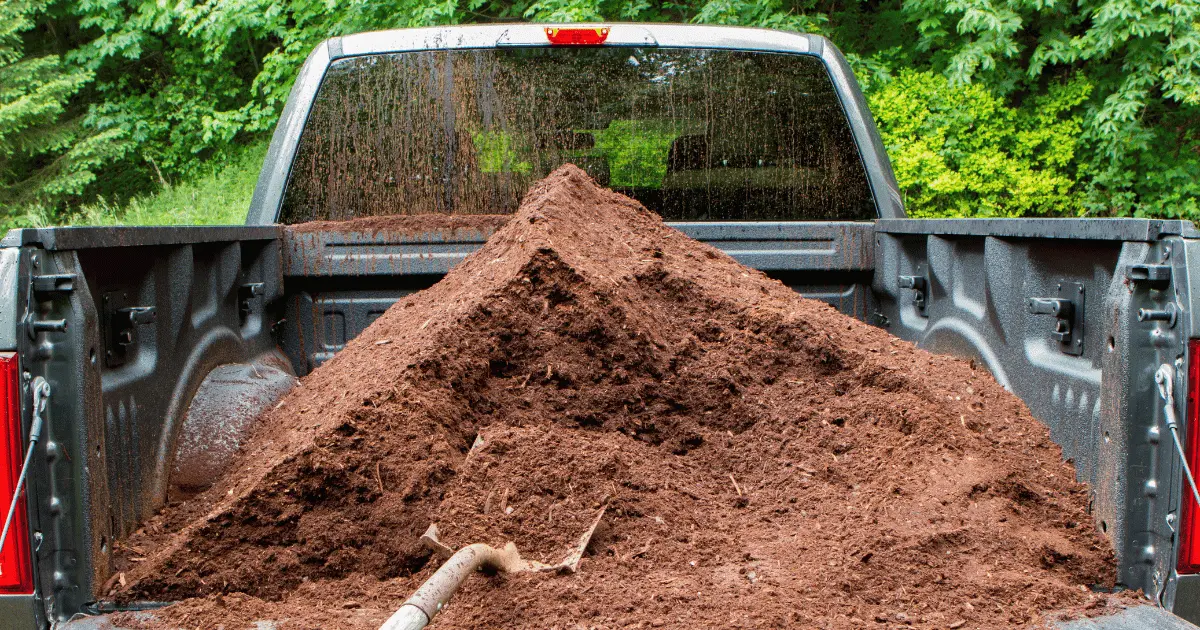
(156, 111)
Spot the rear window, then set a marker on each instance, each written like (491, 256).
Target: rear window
(695, 135)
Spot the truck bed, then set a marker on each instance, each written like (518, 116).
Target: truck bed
(330, 284)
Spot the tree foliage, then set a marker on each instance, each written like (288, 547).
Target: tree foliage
(961, 152)
(44, 150)
(993, 107)
(1139, 151)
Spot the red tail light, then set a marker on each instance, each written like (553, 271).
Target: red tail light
(1189, 525)
(16, 573)
(577, 36)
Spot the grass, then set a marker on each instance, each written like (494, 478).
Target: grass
(218, 197)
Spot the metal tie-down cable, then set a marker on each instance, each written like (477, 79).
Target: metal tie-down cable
(1165, 377)
(41, 393)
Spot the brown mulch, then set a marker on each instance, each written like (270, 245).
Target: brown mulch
(766, 460)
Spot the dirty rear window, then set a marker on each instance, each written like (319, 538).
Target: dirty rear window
(695, 135)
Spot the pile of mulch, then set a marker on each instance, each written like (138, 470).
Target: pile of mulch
(766, 461)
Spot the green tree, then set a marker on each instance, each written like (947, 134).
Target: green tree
(1139, 152)
(958, 151)
(105, 99)
(45, 152)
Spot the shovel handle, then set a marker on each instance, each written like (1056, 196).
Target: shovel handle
(432, 596)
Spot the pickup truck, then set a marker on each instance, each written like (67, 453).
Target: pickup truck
(133, 358)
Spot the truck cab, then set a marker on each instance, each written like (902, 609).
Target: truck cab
(133, 350)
